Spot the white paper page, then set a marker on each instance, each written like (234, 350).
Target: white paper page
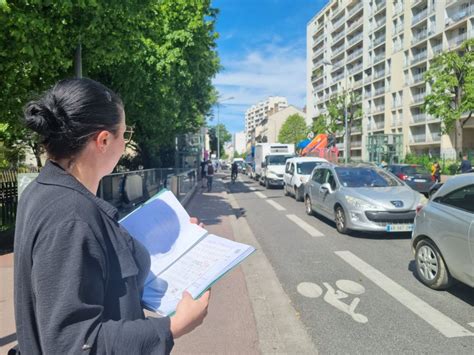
(163, 226)
(194, 272)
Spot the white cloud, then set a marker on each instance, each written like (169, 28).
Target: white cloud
(271, 70)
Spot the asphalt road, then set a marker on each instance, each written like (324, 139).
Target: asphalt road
(354, 293)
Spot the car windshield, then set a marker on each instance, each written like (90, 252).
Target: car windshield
(413, 169)
(364, 177)
(277, 159)
(306, 168)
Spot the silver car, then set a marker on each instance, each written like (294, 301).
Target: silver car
(443, 237)
(361, 197)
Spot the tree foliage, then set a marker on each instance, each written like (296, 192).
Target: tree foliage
(451, 76)
(293, 130)
(224, 137)
(159, 55)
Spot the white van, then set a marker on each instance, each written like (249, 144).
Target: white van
(297, 172)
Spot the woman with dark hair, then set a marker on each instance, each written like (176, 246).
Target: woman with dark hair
(79, 276)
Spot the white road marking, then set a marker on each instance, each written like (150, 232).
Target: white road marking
(305, 226)
(276, 205)
(251, 188)
(309, 289)
(259, 194)
(432, 316)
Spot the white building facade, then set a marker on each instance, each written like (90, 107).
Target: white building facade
(260, 111)
(239, 142)
(380, 50)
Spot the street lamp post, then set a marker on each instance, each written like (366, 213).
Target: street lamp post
(217, 127)
(346, 126)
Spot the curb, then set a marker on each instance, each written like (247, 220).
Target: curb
(278, 326)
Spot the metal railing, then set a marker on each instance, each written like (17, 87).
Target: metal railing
(457, 40)
(419, 57)
(418, 138)
(417, 78)
(417, 98)
(378, 58)
(355, 39)
(379, 91)
(356, 8)
(354, 55)
(379, 74)
(419, 16)
(354, 25)
(419, 117)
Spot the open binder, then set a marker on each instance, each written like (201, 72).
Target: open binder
(184, 256)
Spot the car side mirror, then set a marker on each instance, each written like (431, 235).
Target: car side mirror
(326, 187)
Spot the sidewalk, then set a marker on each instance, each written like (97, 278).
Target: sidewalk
(249, 313)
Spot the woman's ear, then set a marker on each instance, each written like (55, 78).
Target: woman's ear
(102, 140)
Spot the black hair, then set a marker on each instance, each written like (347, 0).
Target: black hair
(69, 114)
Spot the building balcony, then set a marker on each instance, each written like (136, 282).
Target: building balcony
(319, 87)
(418, 138)
(418, 118)
(438, 48)
(337, 51)
(338, 23)
(396, 30)
(422, 35)
(379, 91)
(356, 8)
(338, 36)
(356, 39)
(358, 83)
(419, 57)
(378, 108)
(417, 78)
(416, 2)
(318, 52)
(377, 41)
(376, 125)
(352, 26)
(337, 78)
(368, 79)
(354, 55)
(355, 69)
(461, 14)
(418, 98)
(378, 58)
(356, 144)
(397, 123)
(379, 74)
(435, 136)
(398, 9)
(419, 16)
(457, 40)
(379, 6)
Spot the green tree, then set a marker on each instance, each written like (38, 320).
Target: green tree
(293, 130)
(335, 117)
(224, 137)
(451, 76)
(159, 55)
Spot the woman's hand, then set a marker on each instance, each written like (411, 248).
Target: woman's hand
(195, 220)
(189, 314)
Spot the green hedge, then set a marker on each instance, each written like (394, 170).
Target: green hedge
(448, 166)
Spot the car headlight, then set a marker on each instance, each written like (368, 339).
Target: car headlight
(361, 204)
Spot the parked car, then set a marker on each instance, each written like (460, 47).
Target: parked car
(415, 176)
(443, 236)
(297, 173)
(361, 197)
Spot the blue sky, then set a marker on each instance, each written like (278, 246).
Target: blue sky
(262, 47)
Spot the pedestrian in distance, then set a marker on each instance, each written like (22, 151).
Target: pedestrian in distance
(234, 171)
(210, 175)
(203, 172)
(78, 274)
(466, 166)
(436, 172)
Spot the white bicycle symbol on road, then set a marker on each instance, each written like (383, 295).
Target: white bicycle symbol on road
(334, 297)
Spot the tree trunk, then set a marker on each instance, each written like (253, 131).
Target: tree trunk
(458, 144)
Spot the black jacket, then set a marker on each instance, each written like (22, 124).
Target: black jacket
(79, 275)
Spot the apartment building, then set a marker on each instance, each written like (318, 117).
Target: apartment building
(380, 50)
(260, 111)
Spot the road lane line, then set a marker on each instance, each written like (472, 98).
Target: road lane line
(252, 188)
(276, 205)
(259, 194)
(432, 316)
(305, 226)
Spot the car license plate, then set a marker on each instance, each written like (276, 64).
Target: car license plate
(419, 180)
(399, 227)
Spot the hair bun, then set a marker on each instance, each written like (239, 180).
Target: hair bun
(41, 119)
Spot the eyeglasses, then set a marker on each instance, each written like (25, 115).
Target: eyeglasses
(127, 134)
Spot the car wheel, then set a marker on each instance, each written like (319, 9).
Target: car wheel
(285, 187)
(341, 221)
(298, 194)
(430, 266)
(267, 185)
(308, 206)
